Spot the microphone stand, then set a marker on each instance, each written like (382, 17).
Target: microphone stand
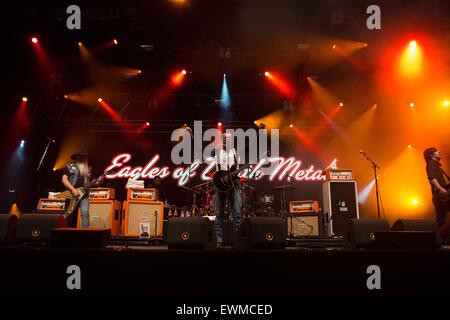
(375, 167)
(38, 169)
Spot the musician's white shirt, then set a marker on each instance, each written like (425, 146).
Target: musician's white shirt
(226, 159)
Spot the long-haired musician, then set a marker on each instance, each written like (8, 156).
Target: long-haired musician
(77, 174)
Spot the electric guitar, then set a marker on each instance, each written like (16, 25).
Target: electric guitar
(82, 191)
(223, 180)
(445, 197)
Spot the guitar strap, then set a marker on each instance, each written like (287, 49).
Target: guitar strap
(445, 174)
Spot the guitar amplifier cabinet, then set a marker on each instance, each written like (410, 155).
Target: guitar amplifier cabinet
(104, 214)
(52, 205)
(340, 204)
(307, 225)
(139, 215)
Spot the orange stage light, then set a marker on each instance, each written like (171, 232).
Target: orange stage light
(99, 99)
(411, 105)
(291, 125)
(341, 104)
(267, 73)
(446, 103)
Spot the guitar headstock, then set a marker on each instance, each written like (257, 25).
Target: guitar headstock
(111, 171)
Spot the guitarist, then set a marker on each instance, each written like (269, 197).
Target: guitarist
(225, 158)
(77, 174)
(436, 177)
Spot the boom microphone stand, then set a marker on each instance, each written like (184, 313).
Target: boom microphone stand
(38, 169)
(375, 167)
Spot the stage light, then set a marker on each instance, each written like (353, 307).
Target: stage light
(446, 103)
(411, 60)
(66, 96)
(411, 105)
(147, 124)
(184, 72)
(334, 46)
(34, 40)
(291, 125)
(219, 124)
(99, 99)
(225, 100)
(267, 74)
(139, 71)
(409, 146)
(415, 202)
(22, 143)
(341, 104)
(54, 169)
(80, 44)
(24, 99)
(115, 42)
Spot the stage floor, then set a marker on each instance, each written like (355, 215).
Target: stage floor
(157, 273)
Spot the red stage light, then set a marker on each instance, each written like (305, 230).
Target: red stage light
(24, 99)
(183, 71)
(115, 42)
(34, 40)
(147, 124)
(99, 99)
(267, 73)
(341, 104)
(219, 124)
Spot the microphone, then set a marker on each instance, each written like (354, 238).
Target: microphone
(51, 140)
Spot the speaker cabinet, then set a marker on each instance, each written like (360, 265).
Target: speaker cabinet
(37, 227)
(340, 202)
(191, 233)
(420, 225)
(361, 233)
(104, 214)
(96, 238)
(8, 224)
(262, 233)
(143, 218)
(307, 225)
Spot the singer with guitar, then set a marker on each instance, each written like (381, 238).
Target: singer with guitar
(78, 174)
(227, 162)
(439, 189)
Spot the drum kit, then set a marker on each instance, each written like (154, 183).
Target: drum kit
(253, 203)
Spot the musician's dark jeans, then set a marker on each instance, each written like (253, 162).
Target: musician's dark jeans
(442, 216)
(220, 200)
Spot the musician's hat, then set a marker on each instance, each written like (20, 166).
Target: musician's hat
(79, 153)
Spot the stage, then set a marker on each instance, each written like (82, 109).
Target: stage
(155, 273)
